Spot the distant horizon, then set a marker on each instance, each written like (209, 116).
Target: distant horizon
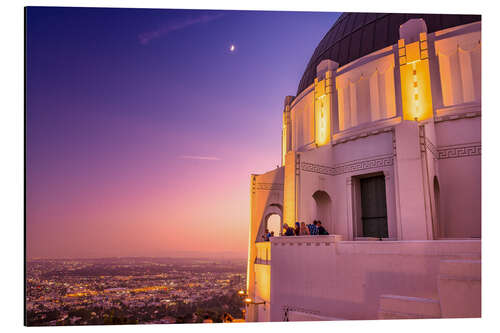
(178, 256)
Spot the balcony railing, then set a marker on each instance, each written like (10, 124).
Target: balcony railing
(306, 240)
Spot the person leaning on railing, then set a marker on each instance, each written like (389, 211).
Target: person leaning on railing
(287, 230)
(296, 230)
(313, 229)
(304, 231)
(266, 235)
(321, 229)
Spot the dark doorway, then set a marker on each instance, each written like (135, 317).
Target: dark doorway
(373, 207)
(437, 229)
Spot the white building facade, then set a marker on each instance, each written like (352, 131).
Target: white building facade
(382, 144)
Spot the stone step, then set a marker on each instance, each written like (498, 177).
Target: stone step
(304, 316)
(407, 307)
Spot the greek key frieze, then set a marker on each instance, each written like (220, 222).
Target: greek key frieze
(349, 167)
(269, 186)
(459, 151)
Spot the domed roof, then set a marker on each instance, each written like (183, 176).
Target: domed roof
(357, 34)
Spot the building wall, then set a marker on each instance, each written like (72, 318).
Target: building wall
(458, 51)
(266, 196)
(458, 130)
(432, 172)
(459, 147)
(302, 118)
(367, 100)
(346, 279)
(331, 169)
(366, 91)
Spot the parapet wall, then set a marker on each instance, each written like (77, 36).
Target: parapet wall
(346, 279)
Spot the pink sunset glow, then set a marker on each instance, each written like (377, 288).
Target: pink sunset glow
(141, 143)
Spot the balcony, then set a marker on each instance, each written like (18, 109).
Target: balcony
(347, 279)
(316, 240)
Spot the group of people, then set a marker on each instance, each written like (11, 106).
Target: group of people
(301, 229)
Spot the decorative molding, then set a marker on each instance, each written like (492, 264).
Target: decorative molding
(421, 138)
(452, 116)
(349, 167)
(454, 151)
(465, 150)
(432, 148)
(393, 141)
(253, 184)
(269, 186)
(365, 130)
(308, 146)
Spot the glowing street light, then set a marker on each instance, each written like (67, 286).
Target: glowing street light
(248, 300)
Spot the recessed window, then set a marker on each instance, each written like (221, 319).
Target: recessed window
(370, 207)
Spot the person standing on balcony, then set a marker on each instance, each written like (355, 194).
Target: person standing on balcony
(313, 229)
(297, 229)
(321, 229)
(304, 231)
(266, 235)
(288, 231)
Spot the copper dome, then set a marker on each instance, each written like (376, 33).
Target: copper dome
(355, 35)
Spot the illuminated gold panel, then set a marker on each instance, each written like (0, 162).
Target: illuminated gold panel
(412, 52)
(322, 120)
(415, 79)
(416, 90)
(263, 282)
(321, 113)
(284, 140)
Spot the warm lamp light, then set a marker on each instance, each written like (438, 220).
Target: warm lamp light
(322, 121)
(248, 300)
(322, 94)
(415, 80)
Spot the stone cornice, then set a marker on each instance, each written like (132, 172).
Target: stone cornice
(352, 166)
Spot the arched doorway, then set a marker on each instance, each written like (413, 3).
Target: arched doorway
(272, 219)
(273, 224)
(323, 210)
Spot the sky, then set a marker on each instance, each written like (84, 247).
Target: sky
(142, 127)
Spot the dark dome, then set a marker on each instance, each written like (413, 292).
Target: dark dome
(357, 34)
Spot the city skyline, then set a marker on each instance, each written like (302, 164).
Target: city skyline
(143, 125)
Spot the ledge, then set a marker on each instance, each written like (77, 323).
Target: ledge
(464, 110)
(454, 248)
(306, 240)
(364, 130)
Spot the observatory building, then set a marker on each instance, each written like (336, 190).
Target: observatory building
(382, 144)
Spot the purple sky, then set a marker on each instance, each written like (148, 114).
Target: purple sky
(143, 129)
